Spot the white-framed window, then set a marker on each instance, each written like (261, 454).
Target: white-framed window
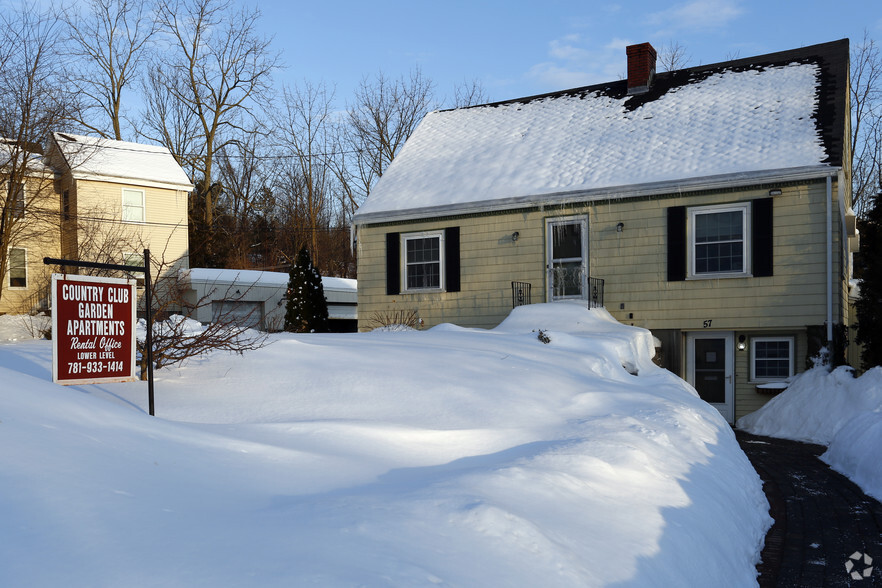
(17, 199)
(133, 205)
(422, 258)
(17, 267)
(771, 358)
(129, 258)
(719, 241)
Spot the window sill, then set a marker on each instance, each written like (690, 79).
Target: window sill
(771, 388)
(720, 276)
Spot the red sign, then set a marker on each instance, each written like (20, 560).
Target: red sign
(93, 329)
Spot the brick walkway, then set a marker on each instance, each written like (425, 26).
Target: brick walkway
(821, 518)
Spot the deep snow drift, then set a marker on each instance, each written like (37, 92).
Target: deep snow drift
(833, 409)
(453, 457)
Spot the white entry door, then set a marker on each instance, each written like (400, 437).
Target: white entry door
(710, 368)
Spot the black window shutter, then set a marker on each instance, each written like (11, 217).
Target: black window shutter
(451, 259)
(676, 243)
(393, 263)
(762, 238)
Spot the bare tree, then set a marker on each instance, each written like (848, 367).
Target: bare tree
(306, 138)
(174, 337)
(32, 103)
(672, 56)
(214, 70)
(866, 124)
(469, 94)
(168, 121)
(244, 171)
(107, 42)
(384, 115)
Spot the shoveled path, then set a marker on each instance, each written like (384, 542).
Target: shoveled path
(821, 518)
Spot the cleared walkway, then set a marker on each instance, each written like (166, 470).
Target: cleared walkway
(822, 519)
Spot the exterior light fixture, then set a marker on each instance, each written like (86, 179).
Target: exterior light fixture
(741, 343)
(515, 236)
(775, 192)
(620, 227)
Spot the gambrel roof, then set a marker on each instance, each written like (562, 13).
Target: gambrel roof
(772, 117)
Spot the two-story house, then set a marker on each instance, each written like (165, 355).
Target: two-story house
(710, 205)
(95, 200)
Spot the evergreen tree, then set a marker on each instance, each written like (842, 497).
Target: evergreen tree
(307, 309)
(868, 267)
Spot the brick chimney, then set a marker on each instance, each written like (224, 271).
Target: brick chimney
(641, 67)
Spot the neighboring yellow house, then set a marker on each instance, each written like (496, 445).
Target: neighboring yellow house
(96, 200)
(710, 205)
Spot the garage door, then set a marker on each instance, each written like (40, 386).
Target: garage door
(240, 312)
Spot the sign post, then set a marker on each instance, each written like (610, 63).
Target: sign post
(93, 329)
(94, 294)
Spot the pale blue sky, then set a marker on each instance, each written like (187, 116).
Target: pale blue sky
(522, 48)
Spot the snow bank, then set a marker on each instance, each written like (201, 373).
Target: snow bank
(458, 457)
(816, 405)
(833, 409)
(855, 452)
(23, 327)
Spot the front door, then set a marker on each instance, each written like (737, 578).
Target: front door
(567, 263)
(710, 363)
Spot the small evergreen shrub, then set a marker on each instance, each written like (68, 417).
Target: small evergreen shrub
(307, 309)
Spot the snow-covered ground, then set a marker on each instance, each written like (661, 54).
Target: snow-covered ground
(833, 409)
(452, 457)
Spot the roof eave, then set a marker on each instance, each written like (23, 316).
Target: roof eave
(141, 182)
(686, 185)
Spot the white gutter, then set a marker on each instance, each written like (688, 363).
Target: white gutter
(830, 261)
(724, 181)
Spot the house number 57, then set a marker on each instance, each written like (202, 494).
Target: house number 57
(707, 324)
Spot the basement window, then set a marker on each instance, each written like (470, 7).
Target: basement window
(771, 358)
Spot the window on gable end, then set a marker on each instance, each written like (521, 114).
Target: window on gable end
(133, 206)
(18, 267)
(135, 259)
(16, 199)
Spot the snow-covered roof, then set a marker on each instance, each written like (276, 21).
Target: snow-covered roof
(121, 162)
(11, 150)
(261, 278)
(769, 116)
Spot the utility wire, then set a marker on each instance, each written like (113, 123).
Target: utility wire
(224, 154)
(74, 218)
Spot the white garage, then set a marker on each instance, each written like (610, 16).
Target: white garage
(257, 299)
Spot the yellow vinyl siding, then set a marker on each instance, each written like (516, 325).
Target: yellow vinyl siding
(747, 399)
(633, 264)
(164, 231)
(38, 233)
